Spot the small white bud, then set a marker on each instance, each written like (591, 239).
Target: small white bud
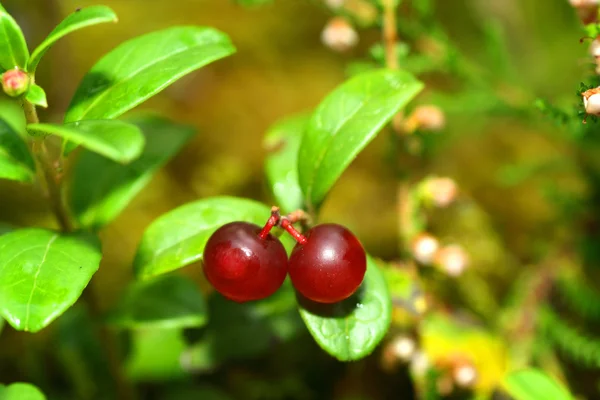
(591, 101)
(424, 248)
(441, 191)
(465, 375)
(595, 48)
(419, 364)
(452, 259)
(403, 347)
(429, 118)
(339, 35)
(334, 4)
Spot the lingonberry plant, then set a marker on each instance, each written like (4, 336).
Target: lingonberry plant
(278, 277)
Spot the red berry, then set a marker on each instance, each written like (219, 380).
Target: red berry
(243, 266)
(329, 266)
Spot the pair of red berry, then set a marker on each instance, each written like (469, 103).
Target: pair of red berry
(244, 262)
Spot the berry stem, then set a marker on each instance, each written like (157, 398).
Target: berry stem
(287, 225)
(271, 222)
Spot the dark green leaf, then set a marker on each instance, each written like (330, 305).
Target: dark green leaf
(140, 68)
(37, 96)
(15, 161)
(351, 329)
(345, 122)
(20, 391)
(178, 237)
(102, 188)
(42, 273)
(534, 384)
(156, 355)
(77, 20)
(282, 142)
(13, 49)
(170, 301)
(12, 113)
(200, 392)
(231, 324)
(116, 140)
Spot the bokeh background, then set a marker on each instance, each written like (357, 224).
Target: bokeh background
(499, 150)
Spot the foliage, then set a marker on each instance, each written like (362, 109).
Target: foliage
(446, 313)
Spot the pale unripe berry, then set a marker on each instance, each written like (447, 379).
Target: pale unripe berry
(452, 259)
(339, 35)
(424, 247)
(15, 82)
(591, 101)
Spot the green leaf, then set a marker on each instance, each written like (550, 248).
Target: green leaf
(140, 68)
(156, 355)
(534, 384)
(79, 19)
(20, 391)
(282, 141)
(15, 161)
(177, 238)
(116, 140)
(170, 301)
(253, 3)
(102, 188)
(13, 49)
(345, 122)
(204, 392)
(42, 273)
(37, 96)
(351, 329)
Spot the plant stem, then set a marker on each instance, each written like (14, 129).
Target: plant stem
(287, 225)
(271, 222)
(390, 36)
(52, 180)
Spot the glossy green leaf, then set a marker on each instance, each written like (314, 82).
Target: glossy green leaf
(42, 273)
(178, 237)
(37, 96)
(351, 329)
(345, 122)
(15, 161)
(116, 140)
(13, 48)
(534, 384)
(102, 188)
(170, 301)
(156, 355)
(281, 165)
(21, 391)
(77, 20)
(140, 68)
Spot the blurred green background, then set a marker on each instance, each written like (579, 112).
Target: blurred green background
(281, 68)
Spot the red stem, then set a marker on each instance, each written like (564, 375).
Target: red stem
(287, 225)
(271, 222)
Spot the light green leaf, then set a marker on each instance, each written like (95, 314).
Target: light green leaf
(20, 391)
(178, 237)
(534, 384)
(15, 161)
(156, 355)
(116, 140)
(170, 301)
(42, 273)
(351, 329)
(37, 96)
(140, 68)
(102, 188)
(282, 142)
(345, 122)
(77, 20)
(13, 48)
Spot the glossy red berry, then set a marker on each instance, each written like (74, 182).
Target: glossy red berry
(328, 264)
(243, 264)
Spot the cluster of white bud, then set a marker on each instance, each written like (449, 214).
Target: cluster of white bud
(452, 259)
(339, 35)
(591, 101)
(424, 248)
